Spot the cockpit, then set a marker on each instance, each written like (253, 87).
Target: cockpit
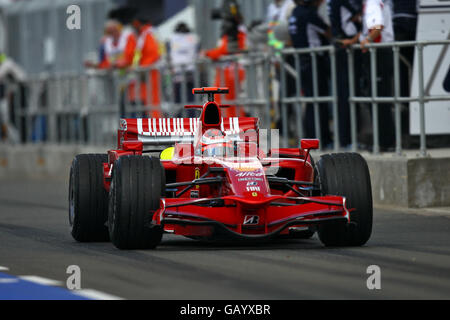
(214, 143)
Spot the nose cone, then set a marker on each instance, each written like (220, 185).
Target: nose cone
(248, 180)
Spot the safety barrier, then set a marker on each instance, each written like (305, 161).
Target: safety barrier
(84, 109)
(374, 99)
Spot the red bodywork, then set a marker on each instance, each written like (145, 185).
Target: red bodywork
(250, 193)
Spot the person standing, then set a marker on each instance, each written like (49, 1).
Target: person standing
(183, 49)
(232, 41)
(147, 54)
(308, 30)
(278, 13)
(345, 19)
(277, 23)
(405, 20)
(117, 47)
(405, 27)
(378, 28)
(12, 98)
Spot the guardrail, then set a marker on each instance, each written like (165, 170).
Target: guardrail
(84, 109)
(353, 99)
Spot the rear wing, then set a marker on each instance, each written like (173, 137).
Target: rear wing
(168, 131)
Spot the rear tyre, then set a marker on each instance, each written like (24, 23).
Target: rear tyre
(88, 199)
(347, 174)
(137, 185)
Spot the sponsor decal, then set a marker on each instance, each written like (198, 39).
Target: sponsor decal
(251, 220)
(250, 174)
(257, 188)
(195, 194)
(197, 176)
(246, 169)
(250, 179)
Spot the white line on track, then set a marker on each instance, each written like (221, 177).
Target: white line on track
(2, 268)
(8, 280)
(41, 280)
(94, 294)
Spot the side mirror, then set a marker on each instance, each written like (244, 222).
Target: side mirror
(309, 144)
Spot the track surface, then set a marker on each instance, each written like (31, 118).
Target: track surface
(413, 252)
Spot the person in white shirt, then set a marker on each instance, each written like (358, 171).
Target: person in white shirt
(279, 10)
(377, 22)
(378, 28)
(183, 49)
(278, 13)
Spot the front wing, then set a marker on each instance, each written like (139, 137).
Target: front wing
(247, 218)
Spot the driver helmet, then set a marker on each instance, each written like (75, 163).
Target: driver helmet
(214, 143)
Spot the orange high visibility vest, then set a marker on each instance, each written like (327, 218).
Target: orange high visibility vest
(146, 54)
(229, 72)
(120, 53)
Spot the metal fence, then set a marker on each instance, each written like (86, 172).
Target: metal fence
(69, 108)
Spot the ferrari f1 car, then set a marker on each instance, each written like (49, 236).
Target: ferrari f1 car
(213, 180)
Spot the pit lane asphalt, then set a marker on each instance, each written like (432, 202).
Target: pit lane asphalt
(413, 252)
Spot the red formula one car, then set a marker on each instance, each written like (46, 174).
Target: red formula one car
(215, 180)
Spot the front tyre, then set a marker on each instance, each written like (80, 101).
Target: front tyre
(347, 174)
(88, 199)
(138, 182)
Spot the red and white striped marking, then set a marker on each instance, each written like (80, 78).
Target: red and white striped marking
(167, 126)
(181, 126)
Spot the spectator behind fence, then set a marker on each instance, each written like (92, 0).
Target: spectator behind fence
(278, 13)
(307, 29)
(273, 31)
(12, 100)
(377, 27)
(233, 40)
(345, 20)
(116, 48)
(405, 27)
(147, 54)
(277, 29)
(183, 48)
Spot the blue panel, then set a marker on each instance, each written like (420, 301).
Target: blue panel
(19, 289)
